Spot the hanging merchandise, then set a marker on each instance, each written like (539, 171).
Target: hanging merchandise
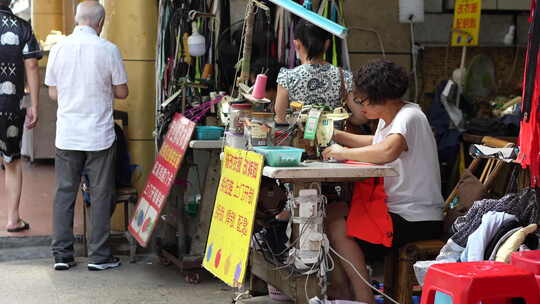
(263, 46)
(196, 43)
(308, 5)
(186, 61)
(227, 54)
(222, 11)
(331, 11)
(279, 29)
(529, 155)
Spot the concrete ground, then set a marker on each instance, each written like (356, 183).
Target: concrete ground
(26, 264)
(35, 281)
(36, 200)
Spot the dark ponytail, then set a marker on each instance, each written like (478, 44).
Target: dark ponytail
(312, 37)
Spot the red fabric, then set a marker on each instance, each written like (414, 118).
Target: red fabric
(368, 217)
(533, 7)
(529, 144)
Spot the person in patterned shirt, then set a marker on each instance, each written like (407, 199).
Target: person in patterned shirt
(315, 81)
(19, 53)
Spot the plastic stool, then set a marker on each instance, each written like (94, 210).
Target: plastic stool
(528, 261)
(472, 282)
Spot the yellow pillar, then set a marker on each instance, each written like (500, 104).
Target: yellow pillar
(132, 26)
(47, 15)
(69, 7)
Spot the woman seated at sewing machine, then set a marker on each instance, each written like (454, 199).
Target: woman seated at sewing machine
(315, 81)
(412, 210)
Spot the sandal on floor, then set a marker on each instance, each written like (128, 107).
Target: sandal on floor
(22, 225)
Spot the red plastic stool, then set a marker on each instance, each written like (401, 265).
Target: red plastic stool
(472, 282)
(528, 261)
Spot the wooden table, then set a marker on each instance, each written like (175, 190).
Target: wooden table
(304, 177)
(326, 172)
(193, 260)
(210, 186)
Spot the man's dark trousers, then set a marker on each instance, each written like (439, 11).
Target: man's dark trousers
(99, 167)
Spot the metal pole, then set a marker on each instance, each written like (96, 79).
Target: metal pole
(462, 76)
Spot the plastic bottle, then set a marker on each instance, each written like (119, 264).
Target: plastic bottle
(196, 42)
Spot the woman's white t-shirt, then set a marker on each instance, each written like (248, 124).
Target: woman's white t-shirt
(415, 194)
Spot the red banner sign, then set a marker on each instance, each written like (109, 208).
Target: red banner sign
(160, 180)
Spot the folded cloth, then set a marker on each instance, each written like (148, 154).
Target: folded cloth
(513, 242)
(450, 253)
(368, 217)
(505, 154)
(495, 242)
(501, 241)
(523, 205)
(480, 238)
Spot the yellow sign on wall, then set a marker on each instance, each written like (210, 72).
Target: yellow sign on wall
(227, 248)
(466, 22)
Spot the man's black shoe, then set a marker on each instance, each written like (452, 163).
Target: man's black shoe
(64, 263)
(112, 262)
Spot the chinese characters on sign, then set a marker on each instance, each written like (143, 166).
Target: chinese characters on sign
(228, 244)
(160, 180)
(466, 22)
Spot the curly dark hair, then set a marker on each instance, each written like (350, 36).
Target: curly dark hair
(381, 80)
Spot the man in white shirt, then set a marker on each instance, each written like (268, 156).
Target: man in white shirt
(84, 74)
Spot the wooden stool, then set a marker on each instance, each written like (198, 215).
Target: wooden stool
(127, 196)
(399, 277)
(472, 282)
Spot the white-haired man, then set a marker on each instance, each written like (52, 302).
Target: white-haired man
(85, 73)
(19, 53)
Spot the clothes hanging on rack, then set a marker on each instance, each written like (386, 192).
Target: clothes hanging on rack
(529, 156)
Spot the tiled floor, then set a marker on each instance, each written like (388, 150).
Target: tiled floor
(36, 201)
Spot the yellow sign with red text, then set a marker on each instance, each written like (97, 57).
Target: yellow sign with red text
(466, 22)
(229, 239)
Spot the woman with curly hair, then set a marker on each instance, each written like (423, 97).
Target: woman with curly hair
(403, 140)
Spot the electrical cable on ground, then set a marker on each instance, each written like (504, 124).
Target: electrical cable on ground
(361, 277)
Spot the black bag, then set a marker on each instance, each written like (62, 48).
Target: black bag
(489, 127)
(123, 163)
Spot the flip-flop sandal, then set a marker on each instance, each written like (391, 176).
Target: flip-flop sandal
(25, 226)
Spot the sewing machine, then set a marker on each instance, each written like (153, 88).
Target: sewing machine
(317, 125)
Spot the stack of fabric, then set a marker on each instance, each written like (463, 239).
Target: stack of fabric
(491, 230)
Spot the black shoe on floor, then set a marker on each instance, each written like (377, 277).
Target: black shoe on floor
(64, 263)
(112, 262)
